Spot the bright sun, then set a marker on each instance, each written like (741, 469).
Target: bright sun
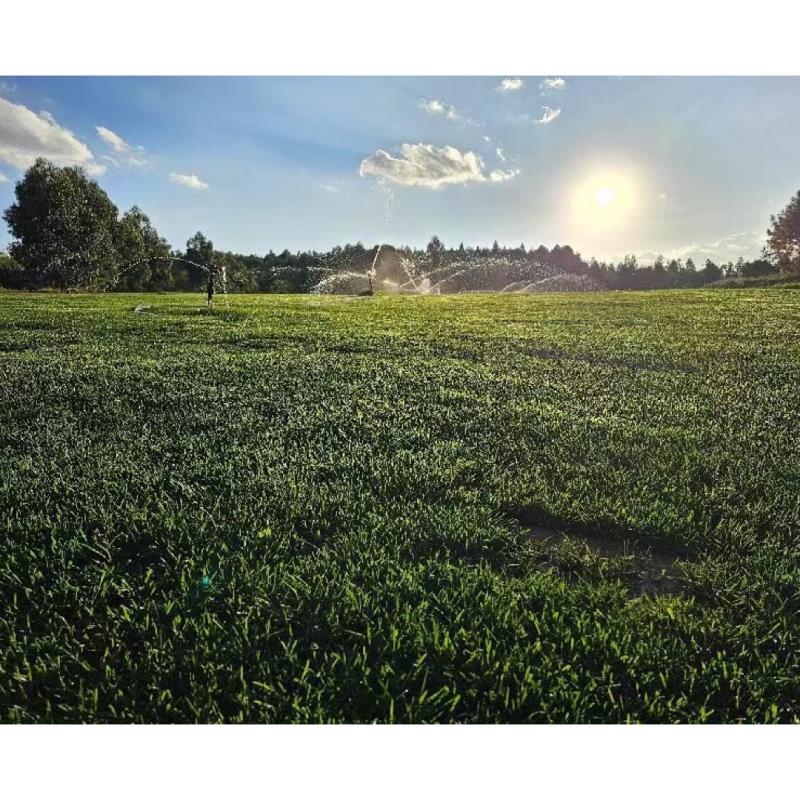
(606, 199)
(604, 196)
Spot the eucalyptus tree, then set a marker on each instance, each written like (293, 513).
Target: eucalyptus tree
(143, 253)
(63, 225)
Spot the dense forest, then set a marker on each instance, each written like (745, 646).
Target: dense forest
(68, 235)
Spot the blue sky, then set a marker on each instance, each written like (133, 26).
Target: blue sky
(680, 166)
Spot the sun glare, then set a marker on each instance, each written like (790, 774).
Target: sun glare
(604, 196)
(606, 199)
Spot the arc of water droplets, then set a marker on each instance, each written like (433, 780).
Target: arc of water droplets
(218, 269)
(170, 258)
(431, 283)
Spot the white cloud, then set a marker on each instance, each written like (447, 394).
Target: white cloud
(3, 178)
(438, 108)
(500, 154)
(747, 244)
(118, 144)
(552, 84)
(131, 155)
(328, 187)
(139, 161)
(430, 166)
(510, 85)
(189, 181)
(548, 115)
(95, 170)
(736, 243)
(497, 175)
(26, 136)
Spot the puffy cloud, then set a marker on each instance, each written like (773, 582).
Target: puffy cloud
(429, 166)
(736, 244)
(26, 136)
(552, 84)
(510, 85)
(437, 107)
(3, 178)
(548, 115)
(740, 241)
(189, 181)
(747, 244)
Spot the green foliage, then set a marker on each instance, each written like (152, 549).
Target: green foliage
(756, 269)
(64, 228)
(711, 272)
(783, 237)
(199, 250)
(313, 509)
(12, 275)
(142, 253)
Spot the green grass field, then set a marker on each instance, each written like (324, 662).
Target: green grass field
(404, 509)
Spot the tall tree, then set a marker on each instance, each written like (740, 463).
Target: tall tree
(199, 250)
(783, 237)
(63, 224)
(435, 252)
(711, 271)
(142, 253)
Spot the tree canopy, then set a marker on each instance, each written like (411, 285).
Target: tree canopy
(783, 237)
(64, 227)
(142, 253)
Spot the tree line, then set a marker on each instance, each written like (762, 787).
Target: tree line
(68, 234)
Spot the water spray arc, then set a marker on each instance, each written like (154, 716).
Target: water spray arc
(414, 274)
(343, 280)
(217, 274)
(372, 271)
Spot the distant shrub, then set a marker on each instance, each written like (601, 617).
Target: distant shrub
(12, 275)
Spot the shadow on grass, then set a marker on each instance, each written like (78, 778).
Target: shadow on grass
(646, 564)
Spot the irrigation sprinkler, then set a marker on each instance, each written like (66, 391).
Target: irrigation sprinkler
(216, 274)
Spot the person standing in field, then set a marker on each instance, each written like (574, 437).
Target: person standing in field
(210, 288)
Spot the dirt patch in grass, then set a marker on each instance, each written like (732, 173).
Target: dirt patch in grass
(646, 571)
(647, 564)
